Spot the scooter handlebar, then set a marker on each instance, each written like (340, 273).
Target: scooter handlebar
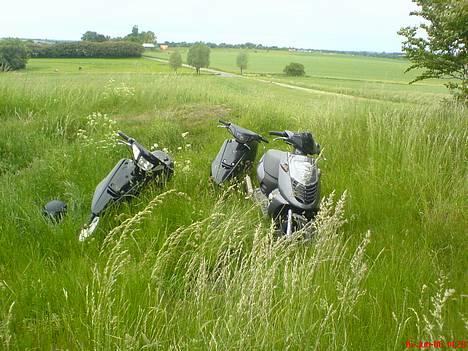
(227, 124)
(281, 134)
(124, 136)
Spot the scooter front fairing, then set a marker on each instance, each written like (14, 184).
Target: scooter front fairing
(231, 159)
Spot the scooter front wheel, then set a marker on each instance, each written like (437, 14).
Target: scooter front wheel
(89, 229)
(290, 222)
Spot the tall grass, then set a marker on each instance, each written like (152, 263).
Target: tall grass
(193, 266)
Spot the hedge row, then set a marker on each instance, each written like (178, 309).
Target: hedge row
(87, 49)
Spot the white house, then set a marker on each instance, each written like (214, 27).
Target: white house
(149, 45)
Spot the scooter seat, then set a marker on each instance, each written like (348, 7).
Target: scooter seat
(271, 162)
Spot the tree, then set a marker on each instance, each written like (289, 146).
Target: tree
(242, 60)
(134, 31)
(439, 45)
(175, 60)
(294, 69)
(198, 56)
(93, 36)
(13, 55)
(140, 37)
(148, 37)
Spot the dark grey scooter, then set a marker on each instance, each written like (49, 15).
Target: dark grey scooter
(235, 155)
(289, 182)
(127, 178)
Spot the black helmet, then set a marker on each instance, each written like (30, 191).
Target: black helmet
(55, 210)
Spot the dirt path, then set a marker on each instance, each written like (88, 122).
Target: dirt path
(209, 70)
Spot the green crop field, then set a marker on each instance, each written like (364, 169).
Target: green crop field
(371, 77)
(193, 266)
(316, 64)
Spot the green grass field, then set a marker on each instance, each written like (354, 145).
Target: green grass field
(198, 268)
(98, 66)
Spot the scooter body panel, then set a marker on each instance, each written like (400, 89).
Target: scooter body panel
(232, 158)
(268, 170)
(117, 184)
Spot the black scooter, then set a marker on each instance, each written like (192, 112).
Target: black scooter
(235, 155)
(127, 178)
(289, 183)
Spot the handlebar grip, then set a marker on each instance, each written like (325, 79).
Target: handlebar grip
(224, 122)
(281, 134)
(123, 135)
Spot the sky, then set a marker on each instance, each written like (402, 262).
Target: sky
(368, 25)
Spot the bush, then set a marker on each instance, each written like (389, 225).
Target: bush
(175, 60)
(13, 55)
(87, 49)
(294, 69)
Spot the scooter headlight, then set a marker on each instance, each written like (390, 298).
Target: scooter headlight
(144, 164)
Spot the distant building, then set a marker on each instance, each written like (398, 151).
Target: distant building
(149, 45)
(164, 47)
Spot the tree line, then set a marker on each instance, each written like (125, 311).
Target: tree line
(253, 46)
(111, 49)
(134, 36)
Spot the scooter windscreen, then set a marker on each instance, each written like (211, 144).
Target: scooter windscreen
(302, 142)
(242, 135)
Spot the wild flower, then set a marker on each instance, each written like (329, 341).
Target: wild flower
(122, 90)
(99, 131)
(187, 166)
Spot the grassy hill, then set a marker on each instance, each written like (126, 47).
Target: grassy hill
(199, 269)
